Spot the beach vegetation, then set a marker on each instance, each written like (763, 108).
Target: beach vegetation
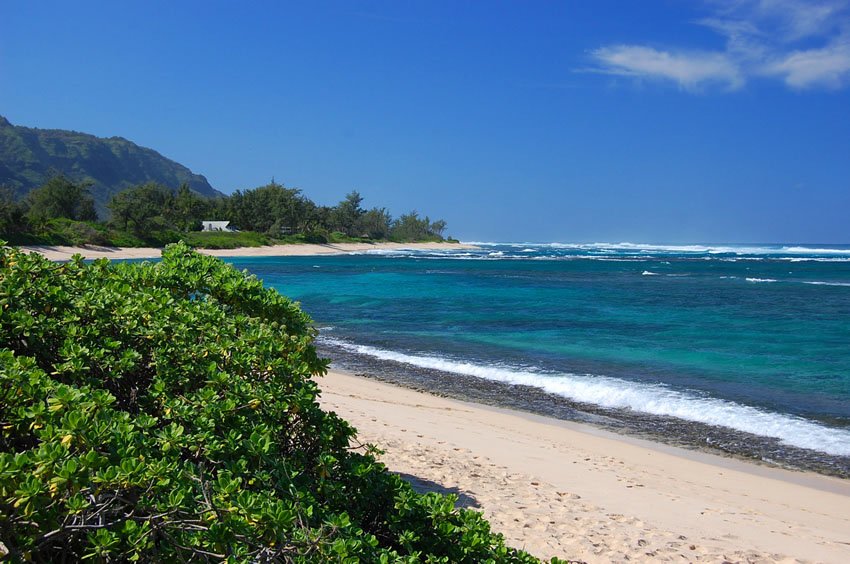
(225, 239)
(59, 197)
(168, 412)
(411, 227)
(272, 209)
(63, 213)
(186, 208)
(141, 209)
(376, 223)
(348, 213)
(13, 213)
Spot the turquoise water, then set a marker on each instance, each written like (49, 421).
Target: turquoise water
(753, 338)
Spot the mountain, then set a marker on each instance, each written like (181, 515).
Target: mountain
(29, 156)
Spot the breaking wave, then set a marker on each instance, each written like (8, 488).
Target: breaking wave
(656, 399)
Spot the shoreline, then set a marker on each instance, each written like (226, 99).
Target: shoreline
(561, 488)
(663, 430)
(59, 253)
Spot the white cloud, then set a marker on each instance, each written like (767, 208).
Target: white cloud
(802, 42)
(690, 71)
(744, 41)
(795, 19)
(828, 67)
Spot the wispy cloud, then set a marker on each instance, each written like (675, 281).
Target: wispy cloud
(804, 43)
(827, 67)
(690, 71)
(788, 20)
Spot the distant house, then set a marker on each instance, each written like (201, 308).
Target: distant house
(217, 226)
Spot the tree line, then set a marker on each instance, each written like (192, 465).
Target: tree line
(273, 211)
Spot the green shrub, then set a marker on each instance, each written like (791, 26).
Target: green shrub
(224, 239)
(119, 238)
(72, 232)
(63, 231)
(167, 412)
(316, 237)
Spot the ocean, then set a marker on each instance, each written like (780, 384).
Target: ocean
(739, 349)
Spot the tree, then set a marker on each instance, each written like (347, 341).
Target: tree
(141, 208)
(347, 214)
(316, 218)
(269, 209)
(13, 214)
(187, 209)
(376, 223)
(60, 197)
(411, 227)
(437, 228)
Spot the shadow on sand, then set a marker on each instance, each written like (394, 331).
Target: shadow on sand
(421, 485)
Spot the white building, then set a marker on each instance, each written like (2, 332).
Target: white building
(217, 226)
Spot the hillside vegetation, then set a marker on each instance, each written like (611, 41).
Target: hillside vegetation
(167, 412)
(30, 156)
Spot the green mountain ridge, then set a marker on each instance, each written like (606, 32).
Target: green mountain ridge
(30, 156)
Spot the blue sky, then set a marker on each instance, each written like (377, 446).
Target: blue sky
(653, 121)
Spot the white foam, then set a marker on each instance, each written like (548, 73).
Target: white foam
(818, 283)
(761, 280)
(816, 251)
(656, 399)
(648, 273)
(651, 248)
(814, 259)
(419, 254)
(384, 252)
(694, 249)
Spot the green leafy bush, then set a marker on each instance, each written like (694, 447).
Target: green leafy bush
(167, 412)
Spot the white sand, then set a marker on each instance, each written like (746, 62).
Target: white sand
(564, 489)
(95, 252)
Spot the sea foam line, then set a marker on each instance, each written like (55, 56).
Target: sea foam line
(656, 399)
(683, 249)
(622, 252)
(818, 283)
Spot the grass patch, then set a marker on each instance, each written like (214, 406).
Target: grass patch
(225, 240)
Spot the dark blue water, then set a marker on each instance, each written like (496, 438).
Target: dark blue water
(754, 339)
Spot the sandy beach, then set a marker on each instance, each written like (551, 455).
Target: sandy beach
(564, 489)
(96, 252)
